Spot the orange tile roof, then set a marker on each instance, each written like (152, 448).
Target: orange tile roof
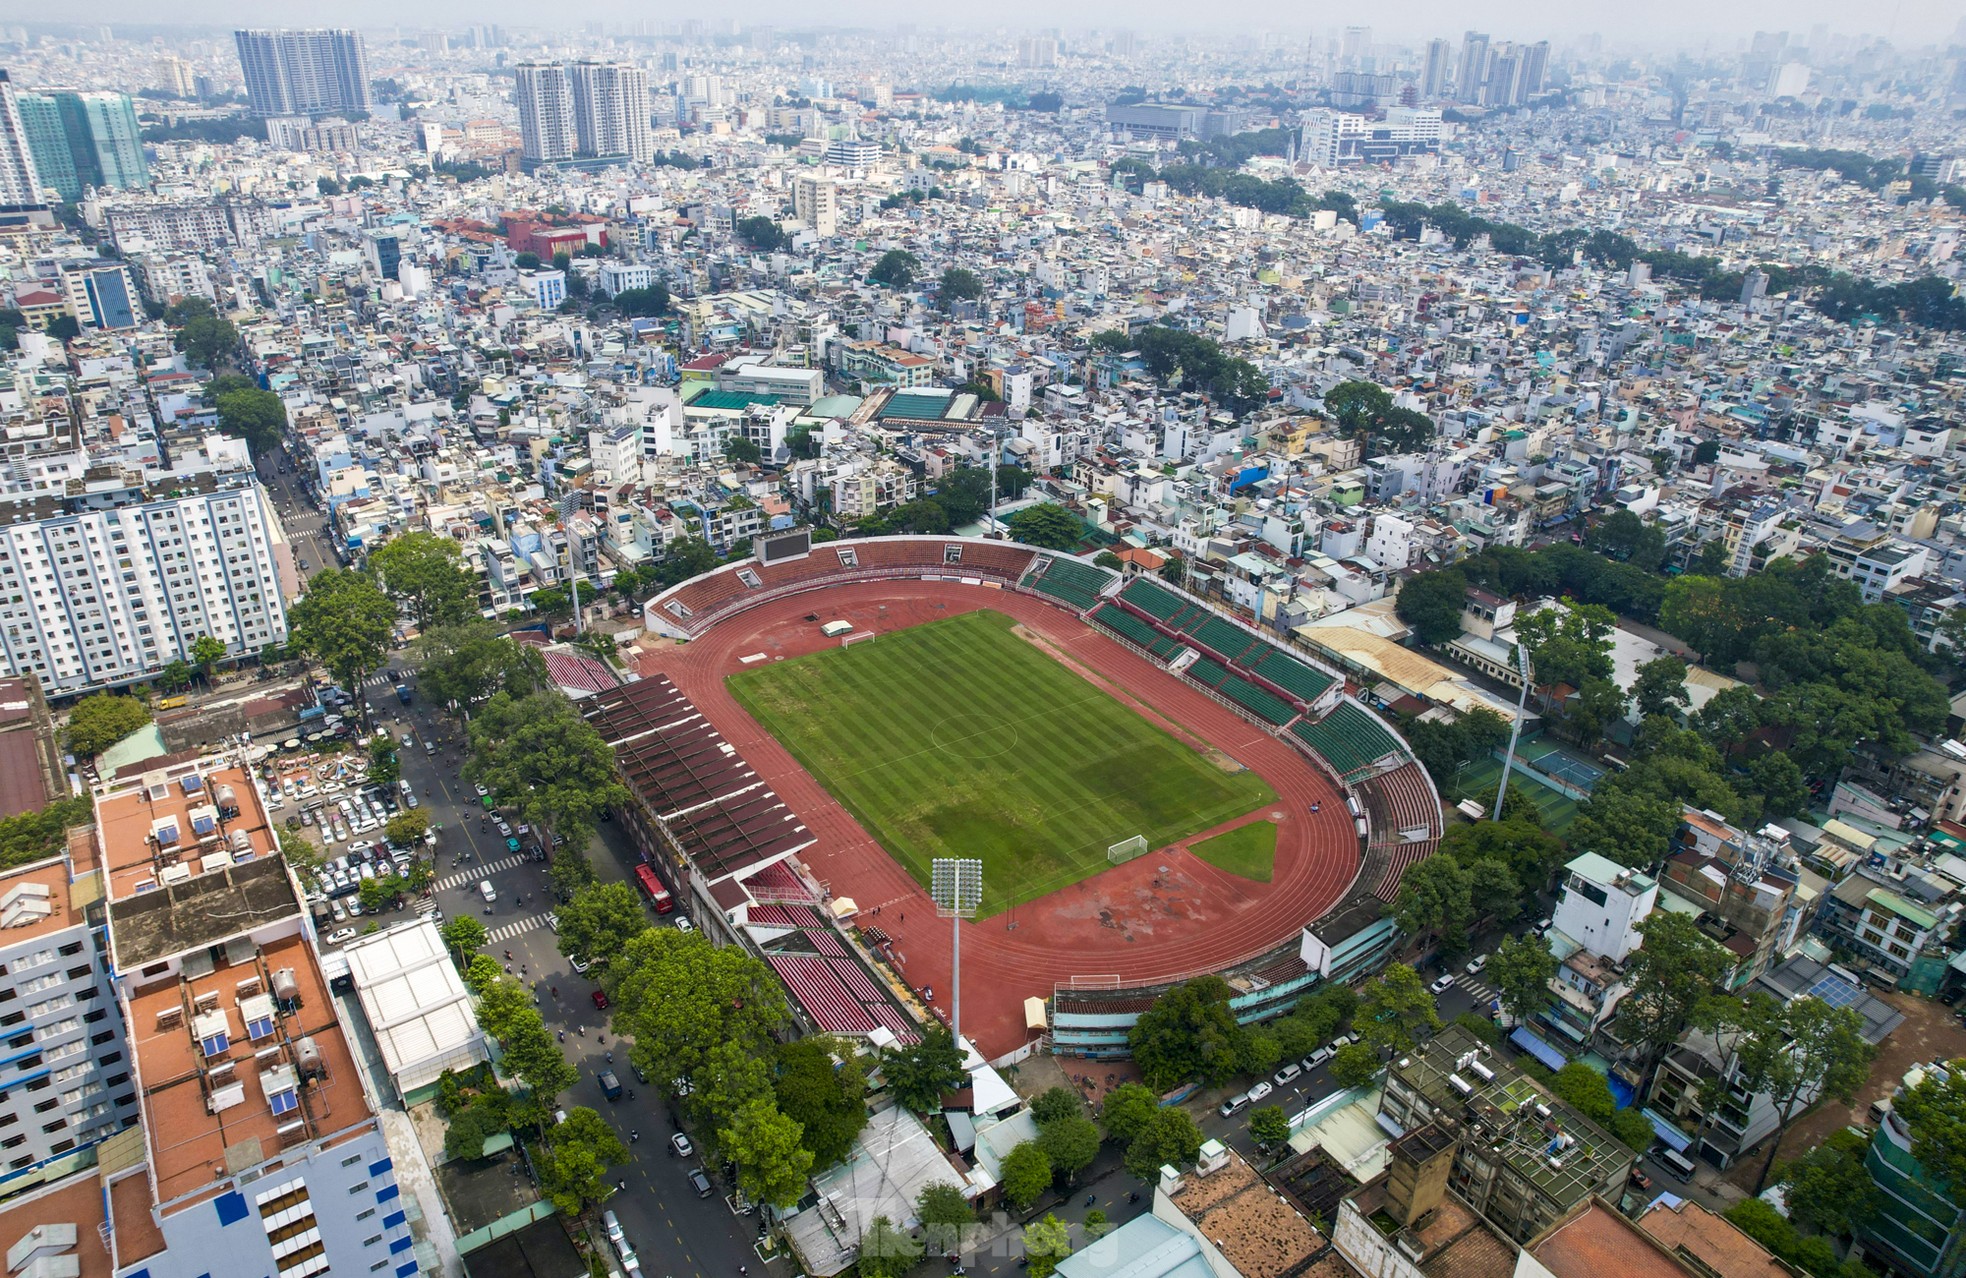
(1596, 1241)
(1713, 1240)
(75, 1201)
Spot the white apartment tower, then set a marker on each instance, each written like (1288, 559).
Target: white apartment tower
(19, 183)
(546, 117)
(106, 596)
(813, 200)
(611, 110)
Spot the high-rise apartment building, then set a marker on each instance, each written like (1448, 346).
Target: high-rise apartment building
(175, 77)
(304, 72)
(82, 140)
(1037, 51)
(1472, 73)
(814, 201)
(1439, 68)
(114, 585)
(20, 184)
(102, 293)
(611, 110)
(546, 124)
(67, 1041)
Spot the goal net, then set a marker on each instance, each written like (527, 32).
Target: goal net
(1127, 849)
(864, 636)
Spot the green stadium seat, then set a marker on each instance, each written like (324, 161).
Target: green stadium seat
(1069, 580)
(1348, 739)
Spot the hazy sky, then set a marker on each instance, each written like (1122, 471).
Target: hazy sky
(1718, 22)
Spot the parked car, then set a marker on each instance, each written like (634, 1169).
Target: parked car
(1288, 1074)
(699, 1182)
(600, 1000)
(1475, 964)
(580, 965)
(681, 1144)
(1259, 1091)
(1442, 983)
(1319, 1057)
(683, 924)
(339, 935)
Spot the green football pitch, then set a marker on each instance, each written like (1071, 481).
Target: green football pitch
(960, 739)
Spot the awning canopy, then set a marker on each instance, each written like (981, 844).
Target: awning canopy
(1537, 1048)
(1034, 1018)
(1668, 1133)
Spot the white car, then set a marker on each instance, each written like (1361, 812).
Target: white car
(1442, 984)
(1475, 965)
(683, 924)
(580, 965)
(482, 789)
(1259, 1091)
(339, 935)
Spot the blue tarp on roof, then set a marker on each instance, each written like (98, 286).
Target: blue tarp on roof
(1666, 1132)
(1537, 1048)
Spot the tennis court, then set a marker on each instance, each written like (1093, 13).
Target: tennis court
(1477, 781)
(1552, 760)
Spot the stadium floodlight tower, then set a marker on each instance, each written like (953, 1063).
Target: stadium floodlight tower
(956, 885)
(1515, 731)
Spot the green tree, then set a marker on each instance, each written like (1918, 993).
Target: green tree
(205, 339)
(464, 665)
(1047, 525)
(1521, 971)
(1729, 717)
(1054, 1103)
(481, 974)
(206, 653)
(1823, 1053)
(1631, 829)
(1934, 1114)
(1189, 1032)
(256, 416)
(821, 1086)
(919, 1073)
(896, 269)
(406, 829)
(958, 284)
(425, 574)
(1269, 1125)
(698, 1012)
(467, 1132)
(762, 233)
(552, 601)
(573, 1168)
(175, 675)
(462, 935)
(376, 893)
(653, 300)
(1354, 1064)
(99, 720)
(1661, 686)
(600, 920)
(345, 622)
(737, 448)
(1071, 1143)
(1026, 1174)
(384, 767)
(539, 755)
(1779, 782)
(532, 1053)
(1672, 971)
(771, 1160)
(1169, 1137)
(1126, 1110)
(886, 1252)
(947, 1218)
(1436, 897)
(1431, 603)
(1046, 1243)
(1828, 1189)
(1393, 1008)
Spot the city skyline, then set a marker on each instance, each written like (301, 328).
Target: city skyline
(1684, 23)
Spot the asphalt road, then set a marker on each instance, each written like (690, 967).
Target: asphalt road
(305, 524)
(672, 1230)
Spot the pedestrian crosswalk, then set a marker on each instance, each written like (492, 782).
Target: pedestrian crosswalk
(518, 927)
(1482, 993)
(485, 871)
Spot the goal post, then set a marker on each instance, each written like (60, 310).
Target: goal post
(1126, 849)
(861, 636)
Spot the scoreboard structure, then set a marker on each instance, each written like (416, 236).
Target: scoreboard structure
(783, 547)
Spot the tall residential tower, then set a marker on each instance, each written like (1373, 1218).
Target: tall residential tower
(304, 72)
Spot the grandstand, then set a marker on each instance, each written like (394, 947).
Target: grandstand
(1404, 814)
(1070, 580)
(1117, 621)
(687, 610)
(1351, 741)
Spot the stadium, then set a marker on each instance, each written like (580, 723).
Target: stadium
(1154, 790)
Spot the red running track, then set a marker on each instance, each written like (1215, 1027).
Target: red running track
(1131, 921)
